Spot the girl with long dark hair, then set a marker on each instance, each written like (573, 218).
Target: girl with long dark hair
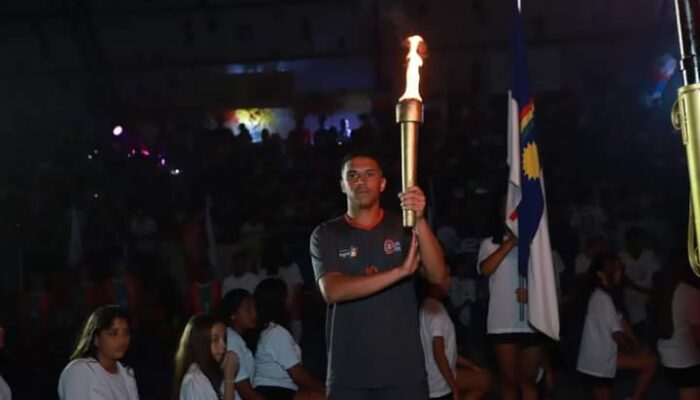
(607, 341)
(204, 370)
(278, 371)
(239, 312)
(95, 371)
(280, 264)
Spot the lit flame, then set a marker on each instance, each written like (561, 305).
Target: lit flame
(412, 75)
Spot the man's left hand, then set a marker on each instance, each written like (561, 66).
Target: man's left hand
(413, 199)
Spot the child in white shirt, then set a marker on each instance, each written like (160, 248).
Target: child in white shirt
(94, 371)
(278, 370)
(449, 375)
(238, 310)
(607, 342)
(204, 370)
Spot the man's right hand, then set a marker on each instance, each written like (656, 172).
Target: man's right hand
(410, 264)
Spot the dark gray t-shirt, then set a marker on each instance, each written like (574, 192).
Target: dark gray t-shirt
(373, 342)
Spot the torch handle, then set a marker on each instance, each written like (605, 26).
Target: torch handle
(409, 165)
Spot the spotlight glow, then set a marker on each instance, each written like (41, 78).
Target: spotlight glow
(117, 130)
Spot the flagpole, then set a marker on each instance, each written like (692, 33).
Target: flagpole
(521, 285)
(521, 279)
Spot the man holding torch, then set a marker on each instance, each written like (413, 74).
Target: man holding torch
(364, 263)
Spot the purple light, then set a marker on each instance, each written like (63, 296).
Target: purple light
(117, 130)
(145, 152)
(162, 162)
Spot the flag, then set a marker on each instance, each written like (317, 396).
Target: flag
(209, 227)
(75, 243)
(526, 213)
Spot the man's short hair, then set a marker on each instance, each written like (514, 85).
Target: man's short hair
(360, 154)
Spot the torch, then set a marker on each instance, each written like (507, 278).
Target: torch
(685, 115)
(409, 114)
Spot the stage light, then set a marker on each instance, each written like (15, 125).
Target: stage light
(96, 195)
(117, 130)
(175, 172)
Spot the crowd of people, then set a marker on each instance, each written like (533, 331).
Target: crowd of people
(625, 295)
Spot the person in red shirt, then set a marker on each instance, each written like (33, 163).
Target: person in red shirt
(123, 288)
(204, 293)
(35, 316)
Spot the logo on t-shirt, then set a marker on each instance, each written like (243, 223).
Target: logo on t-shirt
(351, 252)
(391, 246)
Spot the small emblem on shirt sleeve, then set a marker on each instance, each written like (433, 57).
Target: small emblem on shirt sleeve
(350, 252)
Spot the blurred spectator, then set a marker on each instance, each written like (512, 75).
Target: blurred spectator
(35, 313)
(242, 276)
(595, 245)
(640, 265)
(123, 288)
(86, 295)
(144, 231)
(204, 293)
(462, 293)
(278, 263)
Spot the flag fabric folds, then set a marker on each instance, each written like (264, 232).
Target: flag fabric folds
(526, 212)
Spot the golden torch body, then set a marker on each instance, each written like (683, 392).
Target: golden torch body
(409, 114)
(686, 117)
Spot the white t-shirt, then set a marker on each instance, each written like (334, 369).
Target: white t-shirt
(248, 281)
(196, 386)
(504, 309)
(640, 271)
(5, 392)
(246, 370)
(581, 264)
(85, 379)
(681, 350)
(435, 322)
(463, 290)
(276, 353)
(597, 355)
